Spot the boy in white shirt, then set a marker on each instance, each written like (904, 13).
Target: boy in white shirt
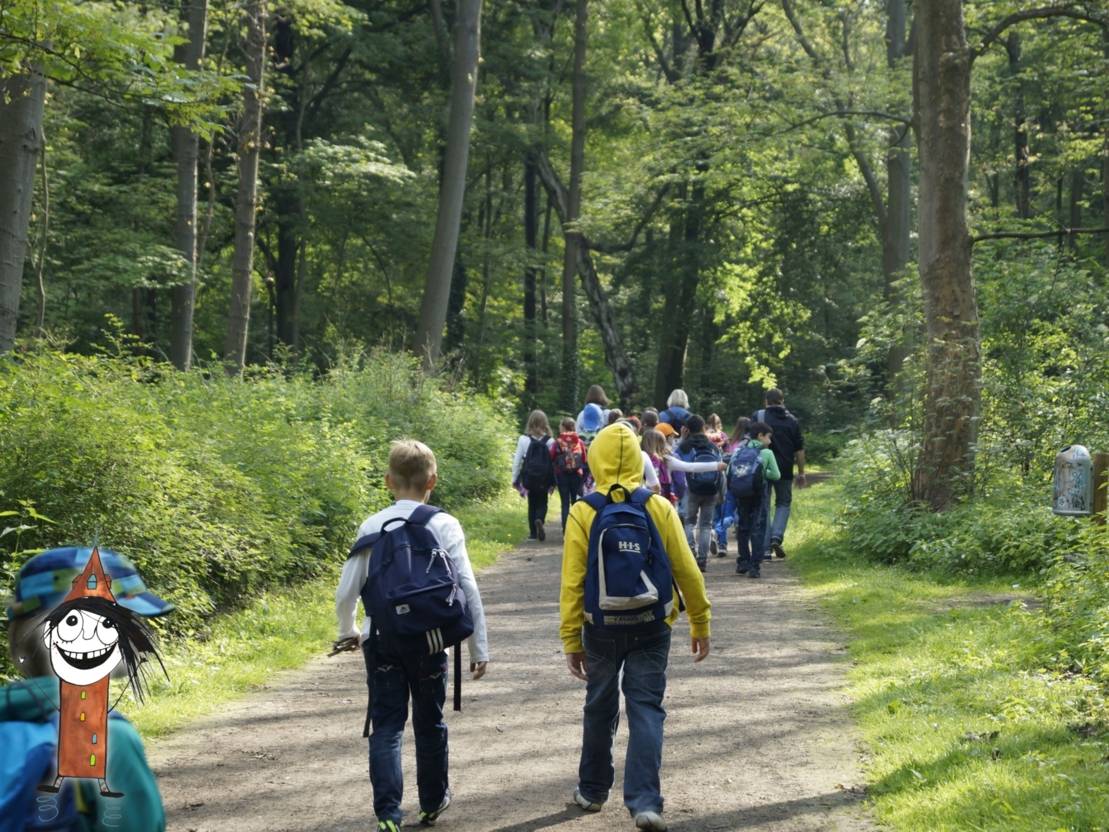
(394, 679)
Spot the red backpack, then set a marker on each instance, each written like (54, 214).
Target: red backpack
(570, 456)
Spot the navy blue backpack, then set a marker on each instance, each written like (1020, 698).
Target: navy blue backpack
(628, 580)
(746, 478)
(412, 593)
(704, 483)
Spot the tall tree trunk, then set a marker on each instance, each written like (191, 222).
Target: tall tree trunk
(1022, 185)
(895, 245)
(186, 151)
(21, 139)
(941, 99)
(568, 393)
(1077, 192)
(531, 274)
(246, 200)
(433, 309)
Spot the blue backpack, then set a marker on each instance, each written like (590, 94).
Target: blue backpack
(705, 482)
(628, 580)
(746, 478)
(28, 756)
(412, 593)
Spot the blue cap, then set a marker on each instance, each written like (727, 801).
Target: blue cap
(47, 578)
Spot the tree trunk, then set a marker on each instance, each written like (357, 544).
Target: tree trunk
(941, 99)
(21, 104)
(433, 309)
(531, 275)
(1077, 192)
(895, 245)
(1022, 185)
(246, 200)
(186, 151)
(572, 235)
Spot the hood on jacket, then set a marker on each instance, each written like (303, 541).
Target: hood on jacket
(29, 700)
(615, 458)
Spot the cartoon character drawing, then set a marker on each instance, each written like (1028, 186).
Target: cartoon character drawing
(88, 636)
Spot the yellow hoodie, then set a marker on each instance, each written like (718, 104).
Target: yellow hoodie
(614, 457)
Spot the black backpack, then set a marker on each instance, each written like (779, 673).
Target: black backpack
(704, 483)
(538, 470)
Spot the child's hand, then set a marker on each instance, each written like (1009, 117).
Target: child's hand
(700, 648)
(576, 663)
(721, 466)
(478, 669)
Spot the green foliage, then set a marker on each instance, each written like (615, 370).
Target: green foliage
(970, 717)
(219, 488)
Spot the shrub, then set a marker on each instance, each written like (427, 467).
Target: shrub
(217, 487)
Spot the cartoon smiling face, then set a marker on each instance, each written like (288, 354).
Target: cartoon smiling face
(83, 646)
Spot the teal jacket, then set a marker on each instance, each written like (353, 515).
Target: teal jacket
(140, 809)
(770, 468)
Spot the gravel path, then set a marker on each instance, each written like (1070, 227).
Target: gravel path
(757, 736)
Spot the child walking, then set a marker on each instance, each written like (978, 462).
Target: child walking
(621, 532)
(568, 452)
(726, 519)
(533, 471)
(396, 676)
(752, 508)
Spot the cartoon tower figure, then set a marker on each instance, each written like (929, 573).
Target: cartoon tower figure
(85, 646)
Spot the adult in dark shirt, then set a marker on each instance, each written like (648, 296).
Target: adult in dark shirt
(788, 446)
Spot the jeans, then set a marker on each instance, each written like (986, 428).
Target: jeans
(725, 519)
(394, 680)
(569, 491)
(537, 508)
(783, 500)
(643, 658)
(698, 512)
(750, 531)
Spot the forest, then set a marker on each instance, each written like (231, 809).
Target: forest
(222, 223)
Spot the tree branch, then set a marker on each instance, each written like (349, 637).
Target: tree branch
(1044, 12)
(1037, 235)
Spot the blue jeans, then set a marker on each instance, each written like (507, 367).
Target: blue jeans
(725, 519)
(643, 658)
(394, 680)
(783, 500)
(750, 531)
(569, 491)
(698, 515)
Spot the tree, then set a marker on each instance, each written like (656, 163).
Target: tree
(246, 200)
(571, 233)
(433, 309)
(941, 111)
(185, 152)
(21, 105)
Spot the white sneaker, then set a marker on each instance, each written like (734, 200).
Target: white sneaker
(651, 821)
(585, 803)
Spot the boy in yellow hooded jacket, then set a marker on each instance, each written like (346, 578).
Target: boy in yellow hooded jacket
(597, 655)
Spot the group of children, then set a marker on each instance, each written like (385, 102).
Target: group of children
(687, 459)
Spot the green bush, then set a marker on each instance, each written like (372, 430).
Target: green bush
(218, 487)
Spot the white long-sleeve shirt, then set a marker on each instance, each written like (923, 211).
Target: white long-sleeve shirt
(522, 445)
(673, 463)
(451, 537)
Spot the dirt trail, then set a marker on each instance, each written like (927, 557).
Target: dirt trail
(757, 736)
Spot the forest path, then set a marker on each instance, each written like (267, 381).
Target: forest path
(758, 736)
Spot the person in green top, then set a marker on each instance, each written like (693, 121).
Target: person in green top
(752, 511)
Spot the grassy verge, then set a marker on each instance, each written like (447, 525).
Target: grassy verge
(284, 628)
(966, 729)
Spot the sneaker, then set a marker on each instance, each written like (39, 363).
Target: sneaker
(429, 818)
(702, 565)
(540, 532)
(776, 545)
(722, 552)
(585, 803)
(651, 821)
(388, 826)
(741, 568)
(754, 573)
(714, 547)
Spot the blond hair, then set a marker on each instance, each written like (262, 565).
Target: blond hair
(411, 464)
(653, 442)
(538, 425)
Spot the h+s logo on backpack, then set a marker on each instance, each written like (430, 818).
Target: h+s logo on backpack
(629, 546)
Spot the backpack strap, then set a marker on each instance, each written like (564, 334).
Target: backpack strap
(595, 500)
(419, 517)
(422, 514)
(761, 415)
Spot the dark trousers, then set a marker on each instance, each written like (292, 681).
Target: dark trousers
(537, 508)
(643, 660)
(394, 681)
(569, 491)
(750, 531)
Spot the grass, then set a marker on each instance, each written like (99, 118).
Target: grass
(282, 629)
(966, 728)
